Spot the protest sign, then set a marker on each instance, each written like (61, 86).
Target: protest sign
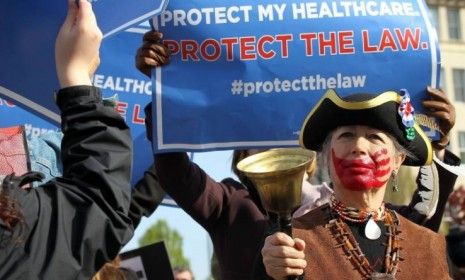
(29, 28)
(245, 73)
(115, 75)
(148, 262)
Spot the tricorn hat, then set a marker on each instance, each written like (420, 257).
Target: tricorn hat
(388, 111)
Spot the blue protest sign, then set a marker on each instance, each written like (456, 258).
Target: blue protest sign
(246, 73)
(114, 16)
(115, 75)
(13, 115)
(29, 28)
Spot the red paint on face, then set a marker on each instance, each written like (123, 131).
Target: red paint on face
(364, 173)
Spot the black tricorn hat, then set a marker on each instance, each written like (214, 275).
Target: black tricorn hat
(377, 111)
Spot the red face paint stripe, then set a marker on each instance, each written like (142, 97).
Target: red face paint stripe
(362, 174)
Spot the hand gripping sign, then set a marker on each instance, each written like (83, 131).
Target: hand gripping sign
(245, 73)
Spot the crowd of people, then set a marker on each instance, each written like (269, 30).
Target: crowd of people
(75, 222)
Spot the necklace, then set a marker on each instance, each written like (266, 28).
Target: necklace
(352, 214)
(345, 240)
(356, 215)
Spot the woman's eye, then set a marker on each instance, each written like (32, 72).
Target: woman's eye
(376, 137)
(346, 135)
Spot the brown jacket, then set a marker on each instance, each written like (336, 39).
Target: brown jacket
(423, 251)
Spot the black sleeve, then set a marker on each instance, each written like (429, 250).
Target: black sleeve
(446, 185)
(147, 195)
(77, 222)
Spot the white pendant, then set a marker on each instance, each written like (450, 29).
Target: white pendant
(372, 230)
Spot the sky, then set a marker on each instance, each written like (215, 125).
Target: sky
(196, 242)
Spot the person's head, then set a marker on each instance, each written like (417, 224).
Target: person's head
(10, 211)
(456, 206)
(113, 271)
(361, 157)
(363, 139)
(11, 215)
(182, 273)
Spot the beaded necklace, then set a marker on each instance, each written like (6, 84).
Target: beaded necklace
(345, 240)
(352, 214)
(356, 215)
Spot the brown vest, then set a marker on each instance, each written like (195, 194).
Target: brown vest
(423, 251)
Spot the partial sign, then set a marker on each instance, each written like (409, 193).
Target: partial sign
(29, 29)
(148, 262)
(246, 73)
(115, 75)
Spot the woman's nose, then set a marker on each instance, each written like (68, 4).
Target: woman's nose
(360, 146)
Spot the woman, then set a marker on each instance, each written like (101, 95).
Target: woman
(365, 139)
(72, 225)
(231, 211)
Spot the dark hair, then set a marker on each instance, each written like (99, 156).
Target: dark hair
(11, 215)
(239, 155)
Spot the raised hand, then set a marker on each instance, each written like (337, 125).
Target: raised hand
(77, 45)
(152, 53)
(441, 108)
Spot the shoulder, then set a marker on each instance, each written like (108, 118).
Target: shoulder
(239, 194)
(422, 245)
(316, 217)
(230, 182)
(420, 233)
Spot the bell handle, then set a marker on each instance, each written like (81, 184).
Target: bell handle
(285, 225)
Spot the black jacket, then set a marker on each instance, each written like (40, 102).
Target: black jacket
(77, 222)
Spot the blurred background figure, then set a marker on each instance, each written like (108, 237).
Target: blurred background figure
(113, 271)
(182, 273)
(456, 237)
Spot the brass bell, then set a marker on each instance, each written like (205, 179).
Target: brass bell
(278, 174)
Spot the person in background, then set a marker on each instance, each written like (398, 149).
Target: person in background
(113, 271)
(70, 226)
(182, 273)
(456, 236)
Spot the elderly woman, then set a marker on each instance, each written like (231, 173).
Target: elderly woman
(232, 212)
(365, 139)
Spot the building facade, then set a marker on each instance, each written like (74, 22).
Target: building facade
(449, 20)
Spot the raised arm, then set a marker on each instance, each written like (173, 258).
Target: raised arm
(147, 195)
(440, 107)
(435, 183)
(75, 223)
(193, 190)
